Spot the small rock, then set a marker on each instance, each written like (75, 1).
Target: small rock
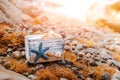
(69, 62)
(116, 63)
(109, 62)
(63, 79)
(80, 54)
(88, 55)
(39, 66)
(90, 50)
(23, 53)
(74, 42)
(67, 47)
(105, 76)
(116, 75)
(76, 51)
(88, 78)
(74, 68)
(9, 50)
(105, 55)
(93, 63)
(63, 62)
(73, 48)
(16, 54)
(33, 77)
(79, 47)
(67, 65)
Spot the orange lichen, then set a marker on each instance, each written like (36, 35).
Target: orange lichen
(55, 72)
(70, 56)
(17, 66)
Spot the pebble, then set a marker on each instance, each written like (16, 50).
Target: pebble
(93, 63)
(116, 75)
(76, 51)
(109, 61)
(9, 50)
(63, 79)
(105, 76)
(39, 66)
(74, 42)
(16, 54)
(105, 55)
(32, 77)
(67, 47)
(88, 55)
(23, 53)
(67, 65)
(116, 63)
(88, 78)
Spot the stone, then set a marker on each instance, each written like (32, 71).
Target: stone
(74, 68)
(105, 76)
(116, 63)
(105, 55)
(63, 79)
(88, 78)
(76, 51)
(39, 66)
(9, 50)
(16, 54)
(23, 53)
(67, 65)
(116, 75)
(88, 55)
(67, 47)
(10, 75)
(74, 42)
(32, 77)
(93, 63)
(79, 47)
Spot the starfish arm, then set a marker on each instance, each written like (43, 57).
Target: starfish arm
(40, 46)
(35, 51)
(37, 57)
(44, 56)
(44, 50)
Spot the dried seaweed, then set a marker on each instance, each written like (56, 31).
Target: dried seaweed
(17, 66)
(16, 38)
(54, 72)
(69, 56)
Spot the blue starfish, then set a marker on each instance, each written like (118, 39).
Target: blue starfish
(40, 52)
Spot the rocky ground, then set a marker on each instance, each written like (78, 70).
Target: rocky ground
(90, 53)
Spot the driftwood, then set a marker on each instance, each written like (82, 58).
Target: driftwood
(10, 75)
